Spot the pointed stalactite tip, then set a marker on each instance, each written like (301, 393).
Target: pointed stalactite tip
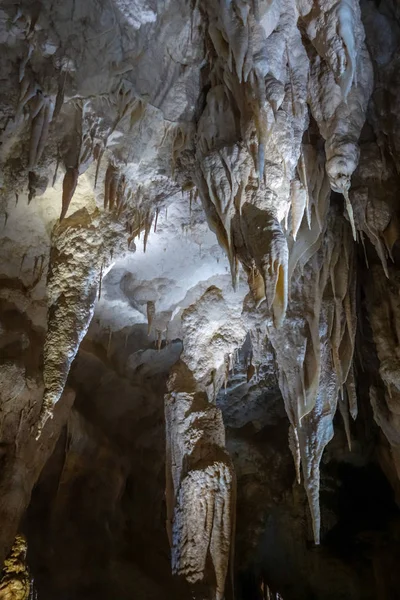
(46, 413)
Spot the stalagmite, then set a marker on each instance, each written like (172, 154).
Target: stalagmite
(199, 489)
(15, 580)
(199, 474)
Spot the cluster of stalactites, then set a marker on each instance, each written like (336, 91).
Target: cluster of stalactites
(315, 344)
(129, 204)
(340, 85)
(120, 200)
(315, 355)
(249, 154)
(83, 144)
(84, 247)
(266, 193)
(248, 148)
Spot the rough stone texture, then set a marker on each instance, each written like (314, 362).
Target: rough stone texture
(83, 246)
(200, 480)
(15, 583)
(198, 203)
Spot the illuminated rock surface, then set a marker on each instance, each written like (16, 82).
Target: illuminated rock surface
(199, 299)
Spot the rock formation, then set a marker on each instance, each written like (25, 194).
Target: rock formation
(200, 479)
(15, 583)
(199, 297)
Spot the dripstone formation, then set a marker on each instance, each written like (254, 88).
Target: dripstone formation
(199, 299)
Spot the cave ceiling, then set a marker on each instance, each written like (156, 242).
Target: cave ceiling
(199, 299)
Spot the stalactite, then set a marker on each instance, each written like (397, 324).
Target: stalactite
(340, 113)
(314, 359)
(28, 90)
(391, 234)
(112, 190)
(32, 182)
(70, 182)
(35, 263)
(256, 285)
(151, 311)
(374, 203)
(121, 189)
(48, 109)
(37, 127)
(56, 170)
(110, 186)
(336, 31)
(250, 371)
(227, 369)
(100, 280)
(295, 450)
(22, 262)
(109, 343)
(41, 119)
(158, 340)
(147, 228)
(25, 61)
(60, 92)
(299, 204)
(81, 246)
(344, 411)
(156, 220)
(97, 155)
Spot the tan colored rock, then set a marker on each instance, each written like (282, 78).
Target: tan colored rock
(15, 581)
